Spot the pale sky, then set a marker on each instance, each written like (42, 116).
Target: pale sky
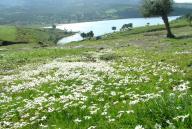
(183, 1)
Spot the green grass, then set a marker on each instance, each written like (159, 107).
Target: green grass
(46, 36)
(138, 71)
(31, 35)
(8, 33)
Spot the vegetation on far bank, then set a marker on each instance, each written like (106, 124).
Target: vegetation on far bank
(72, 11)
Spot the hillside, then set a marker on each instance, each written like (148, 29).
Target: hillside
(136, 79)
(57, 11)
(23, 35)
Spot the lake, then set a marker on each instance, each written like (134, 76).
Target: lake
(103, 27)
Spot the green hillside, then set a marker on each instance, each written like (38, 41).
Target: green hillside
(31, 35)
(68, 11)
(8, 33)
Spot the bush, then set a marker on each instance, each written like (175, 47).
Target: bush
(87, 35)
(108, 57)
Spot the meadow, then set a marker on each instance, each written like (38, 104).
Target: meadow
(8, 33)
(135, 79)
(31, 35)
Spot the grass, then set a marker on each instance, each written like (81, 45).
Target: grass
(126, 80)
(8, 33)
(31, 35)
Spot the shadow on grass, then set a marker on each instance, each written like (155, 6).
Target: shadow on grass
(6, 43)
(184, 37)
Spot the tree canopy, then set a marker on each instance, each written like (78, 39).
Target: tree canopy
(87, 35)
(152, 8)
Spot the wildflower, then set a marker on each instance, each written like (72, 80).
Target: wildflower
(101, 99)
(94, 112)
(25, 116)
(104, 113)
(130, 111)
(43, 126)
(133, 102)
(50, 109)
(87, 117)
(33, 118)
(92, 127)
(139, 127)
(116, 102)
(182, 87)
(170, 124)
(43, 118)
(111, 120)
(182, 118)
(124, 101)
(157, 126)
(6, 123)
(77, 121)
(113, 93)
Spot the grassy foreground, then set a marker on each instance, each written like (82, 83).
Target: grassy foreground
(128, 80)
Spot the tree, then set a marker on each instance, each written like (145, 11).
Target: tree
(127, 27)
(83, 35)
(54, 26)
(87, 35)
(90, 34)
(114, 28)
(160, 8)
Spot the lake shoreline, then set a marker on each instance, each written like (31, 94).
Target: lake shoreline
(104, 27)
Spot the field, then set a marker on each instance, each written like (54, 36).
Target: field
(8, 33)
(128, 80)
(31, 35)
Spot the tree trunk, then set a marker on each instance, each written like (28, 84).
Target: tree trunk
(167, 26)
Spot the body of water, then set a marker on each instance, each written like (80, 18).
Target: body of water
(103, 27)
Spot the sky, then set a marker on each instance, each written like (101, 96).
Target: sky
(183, 1)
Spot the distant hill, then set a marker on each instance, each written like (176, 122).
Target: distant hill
(66, 11)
